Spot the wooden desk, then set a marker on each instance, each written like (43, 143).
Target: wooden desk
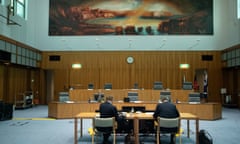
(119, 94)
(205, 111)
(136, 117)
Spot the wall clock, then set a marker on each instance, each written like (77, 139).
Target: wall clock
(130, 59)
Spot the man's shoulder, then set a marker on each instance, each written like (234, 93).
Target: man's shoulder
(167, 104)
(170, 103)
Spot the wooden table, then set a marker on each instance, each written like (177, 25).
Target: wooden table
(136, 117)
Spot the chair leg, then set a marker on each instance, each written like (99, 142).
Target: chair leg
(173, 138)
(114, 138)
(158, 138)
(180, 139)
(92, 139)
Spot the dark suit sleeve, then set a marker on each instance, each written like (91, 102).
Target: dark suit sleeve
(177, 112)
(115, 113)
(156, 112)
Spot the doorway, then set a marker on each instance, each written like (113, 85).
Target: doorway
(49, 85)
(201, 83)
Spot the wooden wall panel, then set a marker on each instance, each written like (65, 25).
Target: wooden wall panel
(61, 81)
(100, 67)
(15, 81)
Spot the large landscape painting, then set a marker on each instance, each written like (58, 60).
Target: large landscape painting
(130, 17)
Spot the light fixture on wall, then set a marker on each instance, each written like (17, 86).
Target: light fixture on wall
(76, 66)
(184, 66)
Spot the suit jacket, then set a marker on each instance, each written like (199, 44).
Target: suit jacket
(166, 110)
(108, 110)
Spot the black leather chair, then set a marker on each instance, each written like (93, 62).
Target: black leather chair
(108, 86)
(6, 111)
(157, 85)
(90, 86)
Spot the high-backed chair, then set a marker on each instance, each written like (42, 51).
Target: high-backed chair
(187, 86)
(167, 125)
(108, 86)
(166, 94)
(157, 85)
(90, 86)
(104, 125)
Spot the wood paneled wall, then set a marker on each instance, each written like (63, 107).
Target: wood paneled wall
(16, 80)
(231, 75)
(149, 66)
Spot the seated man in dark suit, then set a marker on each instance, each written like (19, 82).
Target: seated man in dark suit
(166, 110)
(108, 110)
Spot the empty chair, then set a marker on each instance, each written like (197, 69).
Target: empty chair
(194, 98)
(90, 86)
(63, 96)
(157, 85)
(167, 125)
(108, 86)
(104, 126)
(187, 86)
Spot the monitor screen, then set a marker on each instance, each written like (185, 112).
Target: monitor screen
(133, 96)
(165, 93)
(98, 96)
(134, 108)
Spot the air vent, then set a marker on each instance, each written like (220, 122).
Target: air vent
(207, 57)
(54, 58)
